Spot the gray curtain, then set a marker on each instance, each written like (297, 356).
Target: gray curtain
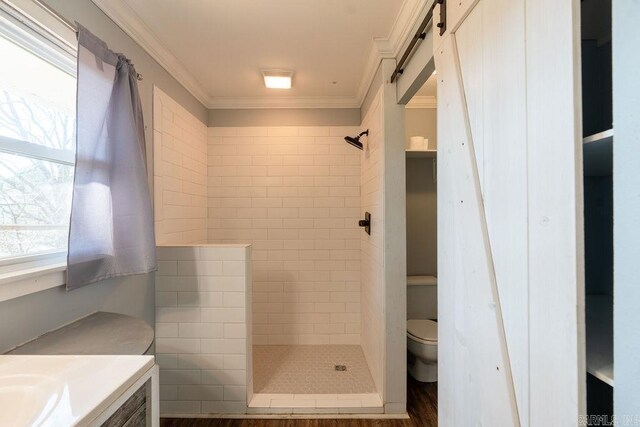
(111, 232)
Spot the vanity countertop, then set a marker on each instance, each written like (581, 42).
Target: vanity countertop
(64, 390)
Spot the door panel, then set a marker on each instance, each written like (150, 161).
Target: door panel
(476, 324)
(485, 243)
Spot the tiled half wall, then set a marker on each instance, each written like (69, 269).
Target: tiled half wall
(203, 329)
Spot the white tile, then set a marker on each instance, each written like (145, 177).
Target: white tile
(223, 346)
(315, 396)
(235, 392)
(200, 299)
(225, 377)
(200, 268)
(234, 299)
(200, 392)
(167, 361)
(167, 268)
(168, 392)
(200, 330)
(166, 299)
(177, 314)
(217, 407)
(235, 361)
(200, 361)
(235, 330)
(227, 315)
(292, 403)
(179, 376)
(338, 403)
(269, 411)
(260, 401)
(177, 345)
(362, 410)
(166, 330)
(179, 407)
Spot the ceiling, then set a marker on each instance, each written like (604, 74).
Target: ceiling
(216, 48)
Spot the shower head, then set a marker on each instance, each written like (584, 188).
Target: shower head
(355, 141)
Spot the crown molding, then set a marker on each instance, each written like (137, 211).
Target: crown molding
(422, 102)
(261, 102)
(127, 19)
(390, 46)
(381, 48)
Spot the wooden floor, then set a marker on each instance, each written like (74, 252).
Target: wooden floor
(422, 406)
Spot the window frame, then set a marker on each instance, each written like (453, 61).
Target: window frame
(33, 26)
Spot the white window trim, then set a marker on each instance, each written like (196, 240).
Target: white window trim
(37, 29)
(33, 275)
(34, 151)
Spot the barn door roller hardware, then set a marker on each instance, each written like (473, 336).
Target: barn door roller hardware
(443, 16)
(421, 33)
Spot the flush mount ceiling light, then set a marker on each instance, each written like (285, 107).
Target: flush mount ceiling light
(277, 79)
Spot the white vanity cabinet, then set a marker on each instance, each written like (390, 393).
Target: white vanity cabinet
(79, 391)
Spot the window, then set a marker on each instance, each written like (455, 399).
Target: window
(37, 136)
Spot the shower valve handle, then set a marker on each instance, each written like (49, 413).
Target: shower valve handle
(366, 222)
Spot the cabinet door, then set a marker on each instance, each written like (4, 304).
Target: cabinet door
(510, 257)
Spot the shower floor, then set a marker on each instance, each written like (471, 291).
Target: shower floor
(303, 379)
(310, 369)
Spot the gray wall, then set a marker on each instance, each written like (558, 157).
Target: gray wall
(422, 254)
(32, 315)
(626, 158)
(285, 117)
(27, 317)
(421, 122)
(372, 92)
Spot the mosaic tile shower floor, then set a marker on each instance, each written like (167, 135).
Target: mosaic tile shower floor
(310, 369)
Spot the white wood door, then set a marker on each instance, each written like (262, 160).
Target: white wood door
(511, 346)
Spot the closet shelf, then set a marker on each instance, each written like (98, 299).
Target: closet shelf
(598, 154)
(600, 137)
(415, 154)
(599, 322)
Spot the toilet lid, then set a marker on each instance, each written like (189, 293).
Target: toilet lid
(426, 330)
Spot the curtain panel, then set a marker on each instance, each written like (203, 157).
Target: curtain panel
(111, 232)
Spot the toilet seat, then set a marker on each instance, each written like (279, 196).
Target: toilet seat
(423, 330)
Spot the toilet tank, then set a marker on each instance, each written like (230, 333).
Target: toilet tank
(422, 297)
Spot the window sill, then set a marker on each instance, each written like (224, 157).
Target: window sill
(32, 277)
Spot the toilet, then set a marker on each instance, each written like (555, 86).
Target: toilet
(422, 332)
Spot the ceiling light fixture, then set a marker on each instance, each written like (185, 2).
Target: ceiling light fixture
(277, 79)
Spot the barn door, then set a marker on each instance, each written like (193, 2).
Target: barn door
(509, 223)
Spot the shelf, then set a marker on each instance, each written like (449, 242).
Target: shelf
(599, 322)
(98, 333)
(417, 154)
(600, 137)
(598, 154)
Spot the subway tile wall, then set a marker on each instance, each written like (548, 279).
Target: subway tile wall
(373, 285)
(294, 194)
(203, 329)
(180, 173)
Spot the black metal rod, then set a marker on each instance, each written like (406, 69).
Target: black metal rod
(419, 35)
